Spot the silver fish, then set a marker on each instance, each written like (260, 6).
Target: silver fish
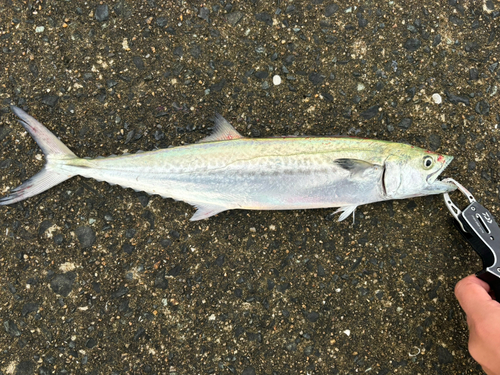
(227, 171)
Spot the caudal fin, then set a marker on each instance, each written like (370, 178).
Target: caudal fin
(55, 154)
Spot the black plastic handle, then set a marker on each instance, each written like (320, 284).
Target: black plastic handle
(483, 234)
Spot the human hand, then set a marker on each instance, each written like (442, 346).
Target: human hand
(483, 319)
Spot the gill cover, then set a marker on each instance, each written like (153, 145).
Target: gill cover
(391, 178)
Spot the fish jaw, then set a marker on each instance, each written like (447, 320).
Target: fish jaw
(440, 187)
(435, 186)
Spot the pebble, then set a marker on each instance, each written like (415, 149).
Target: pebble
(62, 284)
(102, 13)
(370, 112)
(86, 236)
(276, 80)
(11, 328)
(405, 123)
(436, 98)
(331, 9)
(39, 29)
(161, 22)
(204, 13)
(234, 18)
(483, 107)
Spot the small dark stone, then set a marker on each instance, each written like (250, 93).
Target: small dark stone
(195, 51)
(472, 47)
(329, 246)
(312, 316)
(455, 20)
(370, 112)
(262, 74)
(120, 292)
(175, 271)
(434, 142)
(4, 164)
(437, 40)
(493, 67)
(234, 18)
(139, 333)
(102, 13)
(86, 236)
(455, 99)
(29, 308)
(50, 100)
(290, 9)
(248, 371)
(444, 355)
(483, 107)
(11, 328)
(143, 199)
(264, 17)
(327, 97)
(4, 131)
(473, 74)
(289, 60)
(139, 64)
(25, 368)
(412, 44)
(62, 284)
(217, 87)
(91, 343)
(316, 78)
(219, 261)
(46, 224)
(128, 248)
(34, 70)
(160, 281)
(331, 9)
(165, 243)
(283, 287)
(411, 93)
(161, 22)
(204, 14)
(362, 22)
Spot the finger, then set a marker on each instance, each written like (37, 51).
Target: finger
(472, 293)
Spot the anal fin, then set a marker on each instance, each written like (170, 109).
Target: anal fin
(206, 210)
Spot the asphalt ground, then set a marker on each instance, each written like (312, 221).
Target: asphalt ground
(99, 279)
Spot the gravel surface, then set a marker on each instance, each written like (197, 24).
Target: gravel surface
(99, 279)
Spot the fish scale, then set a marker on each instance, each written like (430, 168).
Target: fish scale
(228, 171)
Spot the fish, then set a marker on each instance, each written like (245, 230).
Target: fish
(227, 171)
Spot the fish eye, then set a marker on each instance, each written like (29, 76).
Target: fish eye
(428, 162)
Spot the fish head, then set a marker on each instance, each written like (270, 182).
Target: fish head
(413, 172)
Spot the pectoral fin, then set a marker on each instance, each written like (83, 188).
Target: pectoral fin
(346, 211)
(354, 166)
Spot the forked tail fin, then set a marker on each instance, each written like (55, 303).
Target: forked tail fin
(55, 154)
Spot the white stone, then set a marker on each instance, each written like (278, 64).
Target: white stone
(276, 80)
(436, 98)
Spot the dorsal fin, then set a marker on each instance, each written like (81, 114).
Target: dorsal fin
(223, 131)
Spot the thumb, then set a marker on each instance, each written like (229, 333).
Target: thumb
(472, 294)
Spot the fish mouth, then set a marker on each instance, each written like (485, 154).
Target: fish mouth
(440, 186)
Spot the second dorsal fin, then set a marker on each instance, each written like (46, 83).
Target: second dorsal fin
(223, 131)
